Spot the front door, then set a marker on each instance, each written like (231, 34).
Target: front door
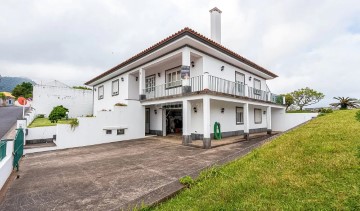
(147, 120)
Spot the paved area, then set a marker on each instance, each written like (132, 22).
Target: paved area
(8, 117)
(110, 176)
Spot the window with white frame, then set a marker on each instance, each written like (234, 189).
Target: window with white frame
(101, 92)
(257, 86)
(150, 83)
(257, 116)
(115, 87)
(173, 78)
(239, 115)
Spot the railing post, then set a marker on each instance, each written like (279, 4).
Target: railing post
(206, 81)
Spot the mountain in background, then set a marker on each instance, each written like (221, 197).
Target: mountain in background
(7, 84)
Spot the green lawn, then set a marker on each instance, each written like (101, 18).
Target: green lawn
(42, 122)
(315, 167)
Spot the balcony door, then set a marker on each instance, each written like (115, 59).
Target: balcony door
(150, 83)
(240, 83)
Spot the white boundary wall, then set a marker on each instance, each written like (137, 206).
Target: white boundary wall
(6, 165)
(41, 133)
(78, 101)
(282, 121)
(91, 129)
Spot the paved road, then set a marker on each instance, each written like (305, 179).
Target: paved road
(8, 117)
(108, 176)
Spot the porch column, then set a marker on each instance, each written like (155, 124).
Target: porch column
(246, 121)
(186, 113)
(142, 95)
(268, 119)
(207, 123)
(186, 88)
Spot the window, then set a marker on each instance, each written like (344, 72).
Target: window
(120, 132)
(240, 78)
(173, 78)
(257, 116)
(108, 131)
(101, 92)
(115, 87)
(239, 115)
(257, 86)
(150, 83)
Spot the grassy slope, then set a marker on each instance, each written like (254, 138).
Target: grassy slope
(42, 122)
(316, 166)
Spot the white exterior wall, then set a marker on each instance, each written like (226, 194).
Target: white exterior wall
(155, 119)
(228, 118)
(213, 67)
(41, 133)
(108, 102)
(45, 98)
(133, 91)
(91, 129)
(6, 164)
(282, 121)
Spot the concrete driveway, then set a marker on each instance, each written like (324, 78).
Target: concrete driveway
(8, 117)
(110, 176)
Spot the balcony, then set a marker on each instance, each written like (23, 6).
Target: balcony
(207, 84)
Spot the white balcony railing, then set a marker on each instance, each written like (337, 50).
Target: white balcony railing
(212, 83)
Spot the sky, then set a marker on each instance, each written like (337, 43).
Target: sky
(312, 44)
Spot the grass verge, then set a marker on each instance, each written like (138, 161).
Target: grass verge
(314, 167)
(43, 122)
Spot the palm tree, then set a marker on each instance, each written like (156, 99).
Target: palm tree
(346, 102)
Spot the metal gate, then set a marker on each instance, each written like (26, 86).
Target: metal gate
(18, 147)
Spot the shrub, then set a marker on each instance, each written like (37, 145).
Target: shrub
(74, 123)
(325, 110)
(57, 113)
(357, 116)
(187, 181)
(40, 116)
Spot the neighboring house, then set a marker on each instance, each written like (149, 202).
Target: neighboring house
(9, 99)
(47, 96)
(186, 83)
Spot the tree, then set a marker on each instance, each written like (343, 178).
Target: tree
(57, 113)
(289, 100)
(346, 102)
(306, 96)
(24, 89)
(3, 97)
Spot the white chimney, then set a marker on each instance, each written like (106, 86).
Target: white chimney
(215, 19)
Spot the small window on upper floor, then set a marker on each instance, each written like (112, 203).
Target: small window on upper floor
(101, 92)
(257, 86)
(115, 87)
(173, 78)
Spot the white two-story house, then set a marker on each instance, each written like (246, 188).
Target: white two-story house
(187, 82)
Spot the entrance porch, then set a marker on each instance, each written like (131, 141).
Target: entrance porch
(193, 118)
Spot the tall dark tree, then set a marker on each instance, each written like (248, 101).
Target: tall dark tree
(346, 102)
(24, 89)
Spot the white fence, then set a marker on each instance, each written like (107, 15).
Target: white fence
(93, 130)
(282, 121)
(6, 164)
(41, 133)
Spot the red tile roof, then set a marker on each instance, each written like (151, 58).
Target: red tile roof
(173, 37)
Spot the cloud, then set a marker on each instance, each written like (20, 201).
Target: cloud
(315, 45)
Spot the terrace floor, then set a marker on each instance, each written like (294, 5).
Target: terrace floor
(111, 176)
